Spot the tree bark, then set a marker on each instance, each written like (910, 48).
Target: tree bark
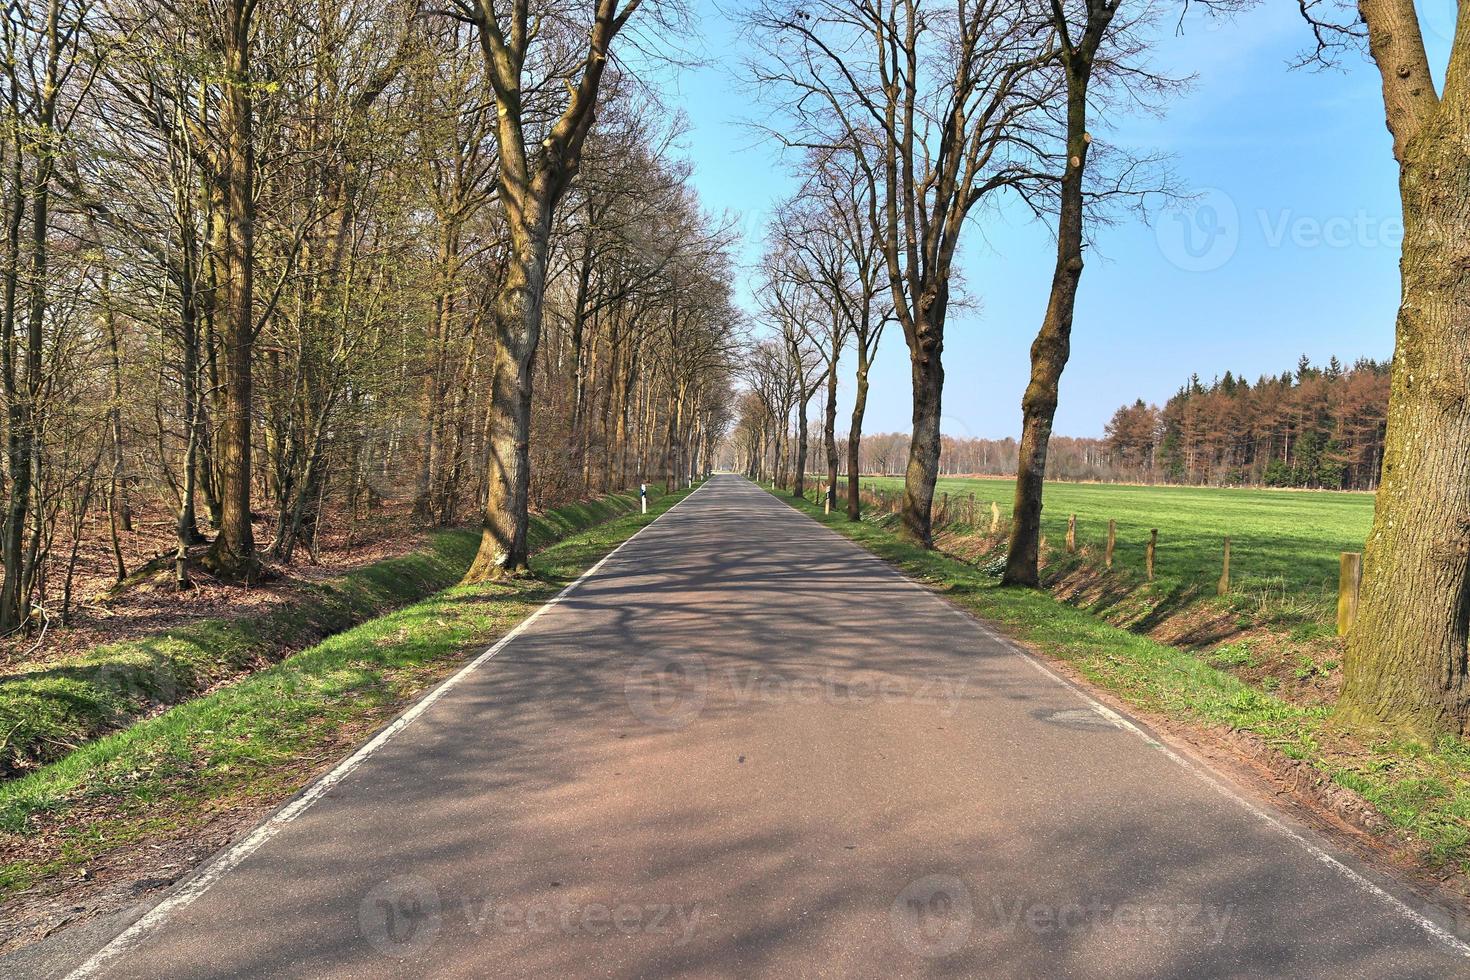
(1405, 665)
(1053, 344)
(922, 472)
(829, 429)
(503, 549)
(232, 555)
(855, 438)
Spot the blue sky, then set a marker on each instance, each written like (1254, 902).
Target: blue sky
(1289, 247)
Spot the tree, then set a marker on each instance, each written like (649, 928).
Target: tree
(1095, 52)
(542, 121)
(936, 104)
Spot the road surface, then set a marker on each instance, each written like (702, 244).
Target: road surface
(744, 747)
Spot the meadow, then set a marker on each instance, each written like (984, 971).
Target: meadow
(1285, 544)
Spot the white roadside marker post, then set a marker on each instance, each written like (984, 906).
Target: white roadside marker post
(643, 496)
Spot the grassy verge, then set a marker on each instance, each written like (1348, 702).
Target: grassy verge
(257, 741)
(1423, 791)
(50, 708)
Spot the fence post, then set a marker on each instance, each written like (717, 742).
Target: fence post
(1349, 580)
(827, 500)
(1153, 543)
(643, 496)
(1072, 534)
(1224, 585)
(1112, 540)
(994, 517)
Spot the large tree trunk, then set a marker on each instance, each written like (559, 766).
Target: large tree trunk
(1405, 664)
(923, 465)
(1049, 353)
(233, 553)
(503, 548)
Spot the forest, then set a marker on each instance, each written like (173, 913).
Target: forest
(1319, 428)
(260, 273)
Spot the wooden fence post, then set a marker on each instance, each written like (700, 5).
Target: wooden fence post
(1148, 558)
(1224, 585)
(1072, 534)
(994, 517)
(1112, 540)
(1349, 580)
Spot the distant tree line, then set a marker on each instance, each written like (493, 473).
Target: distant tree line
(1312, 427)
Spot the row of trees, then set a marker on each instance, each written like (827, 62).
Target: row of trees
(886, 453)
(937, 109)
(1315, 427)
(264, 258)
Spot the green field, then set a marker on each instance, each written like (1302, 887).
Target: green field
(1284, 543)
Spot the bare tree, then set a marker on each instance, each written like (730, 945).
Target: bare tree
(1099, 57)
(546, 79)
(936, 103)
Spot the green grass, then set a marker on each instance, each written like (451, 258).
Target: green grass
(1283, 543)
(48, 708)
(259, 740)
(1423, 791)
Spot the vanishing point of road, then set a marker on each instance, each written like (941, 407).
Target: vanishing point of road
(744, 747)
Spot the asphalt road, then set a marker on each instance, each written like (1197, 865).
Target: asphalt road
(743, 747)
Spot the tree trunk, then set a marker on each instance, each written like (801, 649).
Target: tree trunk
(233, 553)
(855, 439)
(1405, 665)
(798, 480)
(1050, 350)
(829, 429)
(503, 550)
(923, 465)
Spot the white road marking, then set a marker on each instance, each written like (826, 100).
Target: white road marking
(1355, 878)
(273, 825)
